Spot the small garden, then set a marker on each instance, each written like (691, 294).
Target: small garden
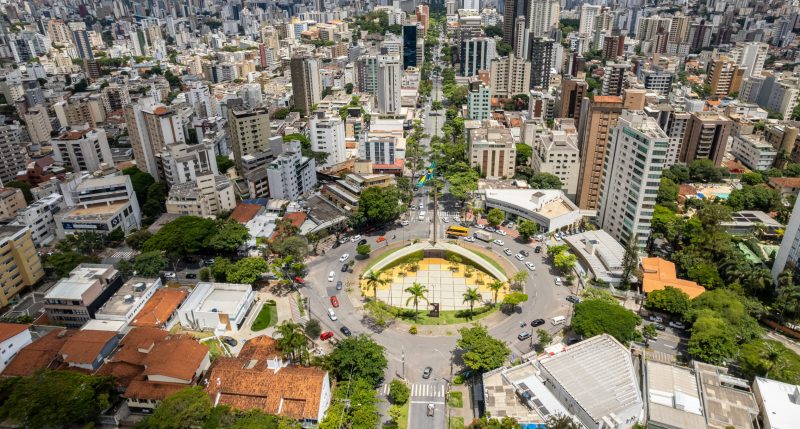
(268, 316)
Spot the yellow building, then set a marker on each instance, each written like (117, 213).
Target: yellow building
(20, 265)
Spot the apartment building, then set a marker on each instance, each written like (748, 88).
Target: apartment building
(13, 158)
(20, 265)
(326, 133)
(509, 76)
(83, 150)
(207, 196)
(74, 300)
(151, 128)
(706, 137)
(290, 175)
(249, 132)
(11, 202)
(492, 150)
(39, 217)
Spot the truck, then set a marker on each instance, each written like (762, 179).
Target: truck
(483, 235)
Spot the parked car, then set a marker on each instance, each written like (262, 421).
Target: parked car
(478, 226)
(524, 253)
(355, 238)
(469, 239)
(331, 276)
(558, 281)
(499, 242)
(230, 341)
(445, 219)
(169, 275)
(426, 373)
(299, 280)
(524, 335)
(344, 257)
(573, 299)
(335, 302)
(489, 228)
(332, 315)
(191, 276)
(677, 325)
(537, 322)
(431, 410)
(404, 223)
(660, 327)
(363, 241)
(530, 266)
(339, 285)
(507, 251)
(209, 261)
(657, 319)
(501, 232)
(537, 249)
(345, 331)
(326, 335)
(519, 256)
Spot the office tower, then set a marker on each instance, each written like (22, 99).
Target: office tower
(724, 76)
(12, 153)
(597, 119)
(513, 9)
(82, 44)
(291, 175)
(21, 266)
(789, 252)
(248, 132)
(492, 150)
(509, 76)
(152, 127)
(541, 57)
(390, 76)
(479, 101)
(589, 13)
(476, 55)
(706, 137)
(326, 133)
(409, 45)
(83, 150)
(573, 91)
(751, 56)
(613, 46)
(631, 177)
(306, 87)
(614, 78)
(367, 74)
(542, 16)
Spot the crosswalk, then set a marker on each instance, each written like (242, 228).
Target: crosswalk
(123, 254)
(428, 390)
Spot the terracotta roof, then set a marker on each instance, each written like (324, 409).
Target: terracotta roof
(84, 346)
(39, 354)
(607, 99)
(179, 358)
(137, 343)
(8, 330)
(687, 190)
(143, 389)
(159, 308)
(123, 372)
(785, 182)
(296, 218)
(659, 273)
(244, 212)
(245, 382)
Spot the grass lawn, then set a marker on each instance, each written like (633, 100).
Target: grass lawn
(375, 260)
(456, 423)
(455, 400)
(403, 423)
(381, 309)
(268, 316)
(489, 260)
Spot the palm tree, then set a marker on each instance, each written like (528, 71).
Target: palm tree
(495, 286)
(520, 277)
(292, 342)
(373, 281)
(417, 292)
(472, 296)
(772, 358)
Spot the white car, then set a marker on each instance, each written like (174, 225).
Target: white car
(169, 275)
(470, 239)
(355, 238)
(332, 314)
(558, 281)
(445, 220)
(404, 223)
(499, 242)
(507, 251)
(343, 240)
(331, 276)
(344, 257)
(421, 206)
(519, 256)
(478, 226)
(501, 232)
(530, 266)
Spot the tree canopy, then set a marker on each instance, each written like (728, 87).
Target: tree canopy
(185, 235)
(378, 206)
(481, 351)
(545, 181)
(670, 300)
(359, 357)
(495, 216)
(771, 359)
(247, 270)
(594, 317)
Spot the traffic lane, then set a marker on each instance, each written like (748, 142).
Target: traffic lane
(418, 416)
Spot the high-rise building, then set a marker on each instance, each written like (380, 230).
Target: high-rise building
(206, 196)
(83, 150)
(776, 95)
(20, 266)
(614, 78)
(613, 46)
(181, 163)
(597, 118)
(11, 202)
(513, 9)
(589, 13)
(248, 132)
(476, 55)
(390, 76)
(724, 76)
(655, 80)
(541, 57)
(492, 150)
(38, 123)
(679, 29)
(479, 101)
(367, 74)
(152, 127)
(573, 91)
(789, 253)
(82, 44)
(409, 45)
(116, 96)
(509, 76)
(306, 87)
(700, 35)
(327, 135)
(674, 124)
(751, 56)
(631, 177)
(542, 16)
(12, 153)
(706, 137)
(556, 152)
(291, 175)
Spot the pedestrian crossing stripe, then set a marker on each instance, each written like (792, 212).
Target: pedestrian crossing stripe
(427, 390)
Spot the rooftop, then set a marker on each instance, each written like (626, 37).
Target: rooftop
(42, 353)
(244, 212)
(11, 232)
(159, 308)
(601, 251)
(504, 390)
(94, 212)
(727, 399)
(79, 281)
(659, 273)
(123, 300)
(548, 203)
(673, 396)
(779, 401)
(216, 297)
(84, 346)
(10, 330)
(598, 373)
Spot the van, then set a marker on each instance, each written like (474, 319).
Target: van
(559, 320)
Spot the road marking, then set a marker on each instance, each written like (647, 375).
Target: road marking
(427, 402)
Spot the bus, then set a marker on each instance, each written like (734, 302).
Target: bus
(457, 231)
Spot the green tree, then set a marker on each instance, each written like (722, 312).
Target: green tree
(561, 421)
(185, 409)
(136, 239)
(374, 280)
(670, 300)
(51, 399)
(545, 181)
(292, 341)
(770, 359)
(704, 170)
(564, 262)
(730, 307)
(149, 264)
(678, 173)
(140, 181)
(219, 269)
(544, 338)
(495, 216)
(752, 178)
(471, 296)
(247, 270)
(594, 317)
(480, 351)
(229, 237)
(204, 274)
(592, 293)
(667, 191)
(493, 31)
(26, 189)
(416, 294)
(313, 329)
(378, 206)
(295, 246)
(630, 262)
(649, 332)
(513, 299)
(527, 229)
(487, 422)
(185, 235)
(524, 154)
(712, 341)
(757, 197)
(398, 392)
(363, 249)
(519, 278)
(63, 262)
(358, 357)
(342, 413)
(224, 163)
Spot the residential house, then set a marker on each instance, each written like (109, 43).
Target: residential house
(13, 337)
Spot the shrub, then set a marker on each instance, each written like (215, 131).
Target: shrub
(459, 379)
(398, 392)
(412, 330)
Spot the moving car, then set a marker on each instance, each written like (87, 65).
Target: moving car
(538, 249)
(470, 239)
(332, 314)
(355, 238)
(426, 373)
(345, 331)
(524, 253)
(335, 302)
(530, 266)
(331, 276)
(501, 232)
(524, 335)
(519, 256)
(345, 268)
(431, 410)
(326, 335)
(421, 216)
(362, 241)
(507, 251)
(339, 285)
(299, 280)
(344, 257)
(499, 242)
(404, 223)
(573, 299)
(537, 322)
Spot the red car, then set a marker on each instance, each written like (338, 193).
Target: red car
(334, 302)
(299, 280)
(326, 335)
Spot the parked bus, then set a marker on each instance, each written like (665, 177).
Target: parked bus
(457, 231)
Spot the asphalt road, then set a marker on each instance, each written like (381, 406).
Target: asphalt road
(422, 396)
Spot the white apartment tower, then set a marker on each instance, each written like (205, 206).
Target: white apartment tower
(589, 13)
(83, 150)
(327, 135)
(543, 16)
(635, 156)
(390, 75)
(751, 56)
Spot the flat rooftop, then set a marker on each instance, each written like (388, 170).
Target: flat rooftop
(82, 278)
(780, 401)
(547, 203)
(221, 301)
(727, 399)
(600, 250)
(94, 212)
(673, 396)
(128, 296)
(503, 389)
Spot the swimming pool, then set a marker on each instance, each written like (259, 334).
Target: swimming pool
(722, 196)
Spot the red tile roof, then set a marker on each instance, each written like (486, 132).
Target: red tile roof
(42, 353)
(8, 330)
(159, 308)
(297, 218)
(84, 346)
(785, 182)
(143, 389)
(178, 358)
(244, 212)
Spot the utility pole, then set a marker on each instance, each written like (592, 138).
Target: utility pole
(404, 363)
(435, 208)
